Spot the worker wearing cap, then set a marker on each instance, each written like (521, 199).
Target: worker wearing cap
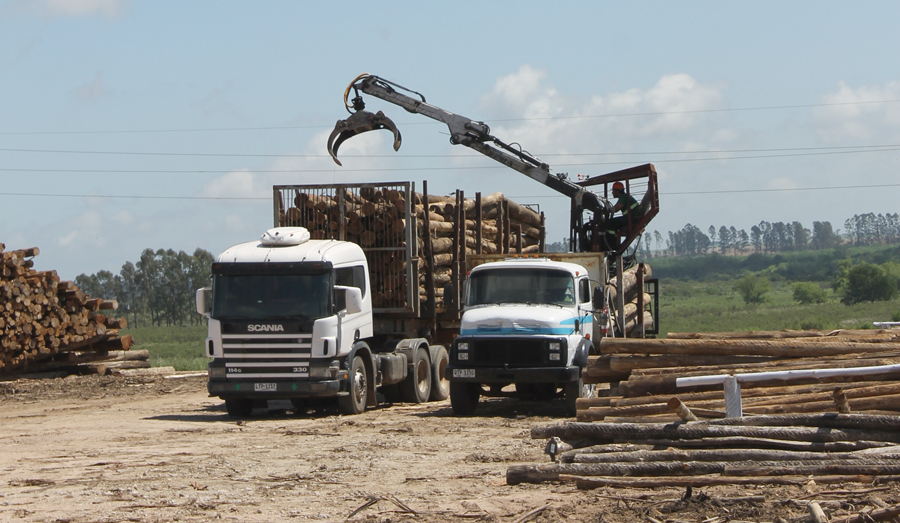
(628, 206)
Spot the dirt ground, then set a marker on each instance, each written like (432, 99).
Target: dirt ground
(153, 449)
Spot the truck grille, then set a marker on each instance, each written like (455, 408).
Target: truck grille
(513, 353)
(267, 355)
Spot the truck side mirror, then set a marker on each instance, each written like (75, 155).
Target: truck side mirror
(599, 298)
(204, 301)
(352, 298)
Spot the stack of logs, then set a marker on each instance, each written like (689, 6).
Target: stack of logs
(375, 218)
(643, 374)
(755, 450)
(47, 324)
(635, 298)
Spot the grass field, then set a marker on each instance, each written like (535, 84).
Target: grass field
(179, 347)
(692, 306)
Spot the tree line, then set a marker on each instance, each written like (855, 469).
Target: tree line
(156, 290)
(772, 238)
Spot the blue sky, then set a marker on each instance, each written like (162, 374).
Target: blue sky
(127, 125)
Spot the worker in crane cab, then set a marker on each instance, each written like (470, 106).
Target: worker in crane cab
(628, 206)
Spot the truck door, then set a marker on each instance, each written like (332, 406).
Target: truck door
(359, 325)
(585, 307)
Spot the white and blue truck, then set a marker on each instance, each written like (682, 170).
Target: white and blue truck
(528, 321)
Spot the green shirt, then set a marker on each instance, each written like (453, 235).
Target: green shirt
(629, 204)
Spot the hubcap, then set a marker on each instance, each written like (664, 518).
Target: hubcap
(422, 376)
(359, 386)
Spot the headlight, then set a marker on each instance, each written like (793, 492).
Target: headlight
(319, 372)
(463, 345)
(463, 356)
(217, 372)
(554, 356)
(554, 346)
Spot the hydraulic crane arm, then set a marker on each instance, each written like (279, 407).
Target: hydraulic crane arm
(463, 131)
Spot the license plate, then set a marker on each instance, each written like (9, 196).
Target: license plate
(463, 373)
(265, 387)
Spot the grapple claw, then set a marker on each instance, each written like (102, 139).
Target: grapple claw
(358, 123)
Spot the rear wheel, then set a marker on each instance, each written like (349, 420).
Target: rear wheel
(239, 408)
(440, 386)
(355, 401)
(416, 388)
(464, 397)
(573, 391)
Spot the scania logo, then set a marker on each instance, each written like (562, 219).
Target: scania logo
(265, 328)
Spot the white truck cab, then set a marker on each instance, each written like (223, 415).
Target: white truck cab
(528, 322)
(285, 315)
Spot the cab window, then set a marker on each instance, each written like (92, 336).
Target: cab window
(584, 290)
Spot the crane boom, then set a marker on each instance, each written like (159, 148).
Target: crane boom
(463, 131)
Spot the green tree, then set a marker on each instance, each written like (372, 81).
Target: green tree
(839, 282)
(869, 282)
(752, 288)
(807, 292)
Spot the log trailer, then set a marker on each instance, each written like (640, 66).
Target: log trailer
(528, 322)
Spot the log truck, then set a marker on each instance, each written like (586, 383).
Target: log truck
(526, 321)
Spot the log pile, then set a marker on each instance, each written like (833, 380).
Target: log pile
(634, 299)
(643, 374)
(47, 324)
(757, 450)
(443, 230)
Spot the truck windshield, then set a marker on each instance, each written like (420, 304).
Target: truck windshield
(267, 296)
(521, 286)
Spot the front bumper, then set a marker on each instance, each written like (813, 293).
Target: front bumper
(272, 389)
(459, 373)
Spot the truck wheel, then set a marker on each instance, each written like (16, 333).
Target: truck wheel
(416, 388)
(573, 391)
(239, 408)
(464, 397)
(355, 401)
(440, 386)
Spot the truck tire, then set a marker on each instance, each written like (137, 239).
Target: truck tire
(239, 407)
(440, 386)
(464, 397)
(574, 390)
(358, 379)
(416, 388)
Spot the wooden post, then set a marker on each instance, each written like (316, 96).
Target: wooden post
(518, 232)
(620, 296)
(430, 305)
(506, 231)
(478, 221)
(542, 245)
(501, 232)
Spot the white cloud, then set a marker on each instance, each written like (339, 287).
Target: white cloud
(240, 183)
(605, 122)
(107, 8)
(857, 120)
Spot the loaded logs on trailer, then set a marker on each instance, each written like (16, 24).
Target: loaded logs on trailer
(447, 227)
(51, 325)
